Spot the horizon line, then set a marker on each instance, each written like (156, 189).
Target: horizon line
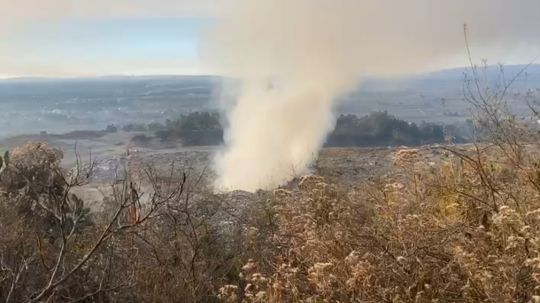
(171, 75)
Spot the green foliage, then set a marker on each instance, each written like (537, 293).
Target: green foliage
(155, 126)
(382, 129)
(135, 127)
(197, 121)
(375, 129)
(198, 128)
(111, 128)
(141, 140)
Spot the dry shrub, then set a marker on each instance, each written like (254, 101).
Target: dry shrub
(463, 230)
(451, 224)
(458, 224)
(164, 244)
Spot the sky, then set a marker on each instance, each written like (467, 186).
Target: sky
(71, 38)
(86, 47)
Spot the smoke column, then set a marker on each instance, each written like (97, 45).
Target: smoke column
(293, 58)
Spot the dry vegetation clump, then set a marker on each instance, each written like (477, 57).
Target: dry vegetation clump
(164, 244)
(464, 227)
(465, 230)
(406, 157)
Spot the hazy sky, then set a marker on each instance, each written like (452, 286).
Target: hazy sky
(80, 46)
(103, 37)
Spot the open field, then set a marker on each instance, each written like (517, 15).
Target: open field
(114, 156)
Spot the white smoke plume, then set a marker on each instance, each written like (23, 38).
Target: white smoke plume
(294, 57)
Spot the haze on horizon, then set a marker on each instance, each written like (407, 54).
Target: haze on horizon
(293, 58)
(250, 151)
(72, 38)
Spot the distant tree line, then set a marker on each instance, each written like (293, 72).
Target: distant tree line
(375, 129)
(198, 128)
(382, 129)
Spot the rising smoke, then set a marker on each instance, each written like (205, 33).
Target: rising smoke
(295, 57)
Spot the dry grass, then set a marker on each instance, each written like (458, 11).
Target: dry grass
(459, 225)
(462, 228)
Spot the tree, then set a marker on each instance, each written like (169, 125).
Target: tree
(382, 129)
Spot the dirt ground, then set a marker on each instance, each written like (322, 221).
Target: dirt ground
(115, 156)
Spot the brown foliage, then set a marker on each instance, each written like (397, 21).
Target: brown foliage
(461, 224)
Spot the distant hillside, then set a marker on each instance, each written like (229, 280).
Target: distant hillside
(436, 96)
(32, 105)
